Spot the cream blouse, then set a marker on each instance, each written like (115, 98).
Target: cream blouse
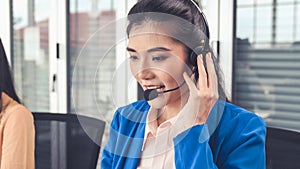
(17, 135)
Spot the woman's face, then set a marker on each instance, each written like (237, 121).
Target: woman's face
(158, 62)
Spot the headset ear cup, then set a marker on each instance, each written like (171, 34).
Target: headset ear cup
(193, 59)
(197, 51)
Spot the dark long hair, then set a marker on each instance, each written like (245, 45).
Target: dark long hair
(6, 80)
(192, 36)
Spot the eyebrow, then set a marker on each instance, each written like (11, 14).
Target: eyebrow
(157, 49)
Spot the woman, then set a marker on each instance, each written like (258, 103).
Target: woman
(16, 124)
(186, 121)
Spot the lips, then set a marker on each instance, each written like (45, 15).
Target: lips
(159, 88)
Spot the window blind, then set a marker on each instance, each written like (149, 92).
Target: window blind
(267, 82)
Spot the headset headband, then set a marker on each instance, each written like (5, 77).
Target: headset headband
(197, 6)
(201, 12)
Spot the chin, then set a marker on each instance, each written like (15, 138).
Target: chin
(158, 102)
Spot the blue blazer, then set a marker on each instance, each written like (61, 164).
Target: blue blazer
(232, 138)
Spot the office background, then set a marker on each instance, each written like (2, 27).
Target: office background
(54, 47)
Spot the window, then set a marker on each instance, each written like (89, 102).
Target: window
(30, 55)
(266, 64)
(91, 64)
(98, 75)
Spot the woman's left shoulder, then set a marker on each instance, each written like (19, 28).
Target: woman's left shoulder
(236, 111)
(240, 117)
(238, 125)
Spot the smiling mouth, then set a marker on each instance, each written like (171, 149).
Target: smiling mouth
(156, 87)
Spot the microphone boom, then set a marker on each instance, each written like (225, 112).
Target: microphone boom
(151, 94)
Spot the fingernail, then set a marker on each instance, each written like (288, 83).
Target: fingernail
(200, 57)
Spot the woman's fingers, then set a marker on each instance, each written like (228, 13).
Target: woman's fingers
(207, 83)
(190, 83)
(212, 77)
(205, 92)
(202, 81)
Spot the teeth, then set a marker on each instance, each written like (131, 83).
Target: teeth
(154, 87)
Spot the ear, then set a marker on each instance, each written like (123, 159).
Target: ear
(189, 68)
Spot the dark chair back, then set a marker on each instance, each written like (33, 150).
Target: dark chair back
(282, 149)
(67, 141)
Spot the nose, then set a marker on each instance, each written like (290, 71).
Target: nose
(145, 74)
(142, 69)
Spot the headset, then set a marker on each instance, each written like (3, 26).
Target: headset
(203, 47)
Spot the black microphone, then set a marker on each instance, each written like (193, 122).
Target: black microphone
(151, 94)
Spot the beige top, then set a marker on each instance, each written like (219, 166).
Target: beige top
(158, 147)
(17, 135)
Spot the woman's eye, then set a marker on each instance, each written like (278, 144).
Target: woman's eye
(133, 58)
(158, 58)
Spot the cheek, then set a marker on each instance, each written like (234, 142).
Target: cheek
(133, 68)
(175, 67)
(173, 75)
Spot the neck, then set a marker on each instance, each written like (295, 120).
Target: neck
(6, 101)
(172, 109)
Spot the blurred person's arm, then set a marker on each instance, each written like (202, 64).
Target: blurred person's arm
(18, 138)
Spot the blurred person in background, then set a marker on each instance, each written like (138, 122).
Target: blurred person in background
(17, 133)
